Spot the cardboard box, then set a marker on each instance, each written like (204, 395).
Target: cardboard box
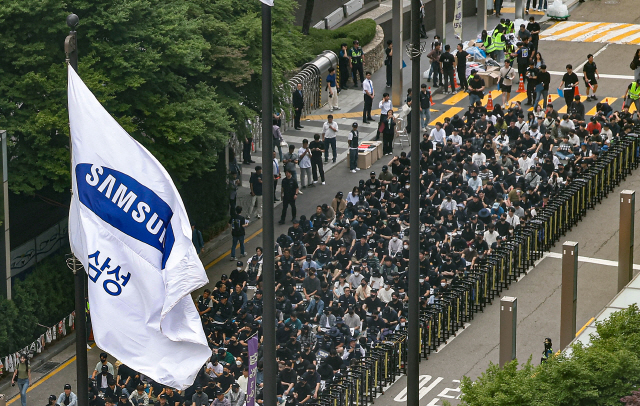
(493, 69)
(490, 78)
(378, 149)
(364, 160)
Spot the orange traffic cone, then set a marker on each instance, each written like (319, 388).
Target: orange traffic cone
(455, 81)
(490, 103)
(431, 97)
(521, 85)
(576, 91)
(549, 101)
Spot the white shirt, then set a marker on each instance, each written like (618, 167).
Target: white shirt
(305, 162)
(276, 167)
(438, 136)
(456, 139)
(525, 164)
(490, 237)
(329, 130)
(522, 126)
(513, 220)
(385, 106)
(367, 85)
(385, 295)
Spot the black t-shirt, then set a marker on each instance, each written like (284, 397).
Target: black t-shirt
(316, 144)
(570, 79)
(447, 61)
(462, 60)
(545, 78)
(387, 51)
(476, 83)
(590, 69)
(237, 225)
(531, 27)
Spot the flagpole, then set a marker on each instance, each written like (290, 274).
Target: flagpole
(269, 393)
(82, 370)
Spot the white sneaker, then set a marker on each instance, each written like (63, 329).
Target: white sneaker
(300, 192)
(315, 181)
(357, 169)
(331, 109)
(353, 171)
(259, 216)
(338, 108)
(323, 183)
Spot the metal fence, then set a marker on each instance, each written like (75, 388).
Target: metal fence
(385, 360)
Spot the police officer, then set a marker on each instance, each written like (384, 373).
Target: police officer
(356, 60)
(632, 95)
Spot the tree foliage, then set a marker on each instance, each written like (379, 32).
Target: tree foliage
(178, 75)
(600, 374)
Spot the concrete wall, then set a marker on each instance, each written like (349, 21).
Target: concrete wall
(468, 9)
(321, 9)
(374, 55)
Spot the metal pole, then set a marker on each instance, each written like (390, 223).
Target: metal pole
(270, 395)
(413, 360)
(5, 190)
(396, 61)
(82, 369)
(569, 293)
(441, 21)
(625, 243)
(519, 10)
(482, 15)
(508, 326)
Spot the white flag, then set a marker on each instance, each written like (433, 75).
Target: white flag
(129, 228)
(268, 2)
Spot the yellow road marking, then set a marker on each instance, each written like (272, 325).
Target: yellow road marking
(519, 97)
(609, 100)
(449, 113)
(623, 35)
(553, 98)
(596, 37)
(563, 109)
(582, 32)
(47, 376)
(456, 98)
(562, 31)
(215, 261)
(494, 94)
(585, 326)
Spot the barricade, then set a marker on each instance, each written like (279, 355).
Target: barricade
(385, 360)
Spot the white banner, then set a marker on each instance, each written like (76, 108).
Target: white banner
(457, 20)
(129, 228)
(268, 2)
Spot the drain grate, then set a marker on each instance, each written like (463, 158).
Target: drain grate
(47, 367)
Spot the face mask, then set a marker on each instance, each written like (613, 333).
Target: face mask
(406, 247)
(238, 363)
(356, 273)
(394, 239)
(368, 232)
(421, 280)
(407, 187)
(239, 268)
(370, 254)
(443, 284)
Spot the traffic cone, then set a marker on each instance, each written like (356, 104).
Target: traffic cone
(431, 97)
(521, 85)
(549, 101)
(490, 103)
(576, 91)
(455, 81)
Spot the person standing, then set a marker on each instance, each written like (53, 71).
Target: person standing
(246, 151)
(434, 57)
(534, 29)
(461, 67)
(446, 66)
(425, 106)
(632, 95)
(353, 148)
(255, 183)
(317, 148)
(590, 72)
(332, 87)
(635, 65)
(532, 82)
(238, 224)
(298, 105)
(568, 85)
(304, 161)
(356, 61)
(329, 131)
(22, 376)
(542, 88)
(369, 94)
(196, 238)
(343, 61)
(277, 138)
(290, 160)
(388, 133)
(289, 194)
(507, 74)
(387, 62)
(276, 176)
(384, 105)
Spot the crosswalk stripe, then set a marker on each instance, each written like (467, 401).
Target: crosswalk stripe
(608, 34)
(456, 98)
(553, 98)
(609, 100)
(519, 97)
(595, 31)
(563, 109)
(584, 32)
(447, 114)
(624, 35)
(635, 41)
(577, 27)
(557, 27)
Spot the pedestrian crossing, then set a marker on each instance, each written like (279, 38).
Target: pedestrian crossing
(577, 31)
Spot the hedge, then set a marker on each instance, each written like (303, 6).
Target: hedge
(599, 374)
(45, 297)
(321, 40)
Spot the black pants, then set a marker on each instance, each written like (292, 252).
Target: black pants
(317, 166)
(448, 77)
(462, 78)
(389, 75)
(366, 112)
(357, 68)
(296, 117)
(531, 92)
(498, 6)
(344, 75)
(286, 202)
(568, 97)
(529, 3)
(246, 150)
(387, 143)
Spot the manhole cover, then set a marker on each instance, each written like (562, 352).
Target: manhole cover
(47, 367)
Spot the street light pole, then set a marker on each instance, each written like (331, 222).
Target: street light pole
(71, 51)
(269, 394)
(413, 359)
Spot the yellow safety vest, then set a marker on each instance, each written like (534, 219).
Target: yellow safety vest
(498, 41)
(634, 92)
(489, 46)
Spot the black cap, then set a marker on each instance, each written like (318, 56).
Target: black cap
(354, 125)
(123, 396)
(258, 291)
(235, 385)
(372, 173)
(67, 386)
(239, 263)
(163, 396)
(105, 368)
(224, 276)
(52, 397)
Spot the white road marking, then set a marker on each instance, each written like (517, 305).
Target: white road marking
(597, 261)
(570, 32)
(424, 379)
(602, 75)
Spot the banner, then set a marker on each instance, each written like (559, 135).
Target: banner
(253, 370)
(129, 228)
(268, 2)
(457, 20)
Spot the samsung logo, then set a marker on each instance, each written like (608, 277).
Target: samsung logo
(127, 205)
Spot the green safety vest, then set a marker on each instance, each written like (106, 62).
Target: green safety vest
(510, 28)
(634, 92)
(491, 45)
(356, 55)
(498, 41)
